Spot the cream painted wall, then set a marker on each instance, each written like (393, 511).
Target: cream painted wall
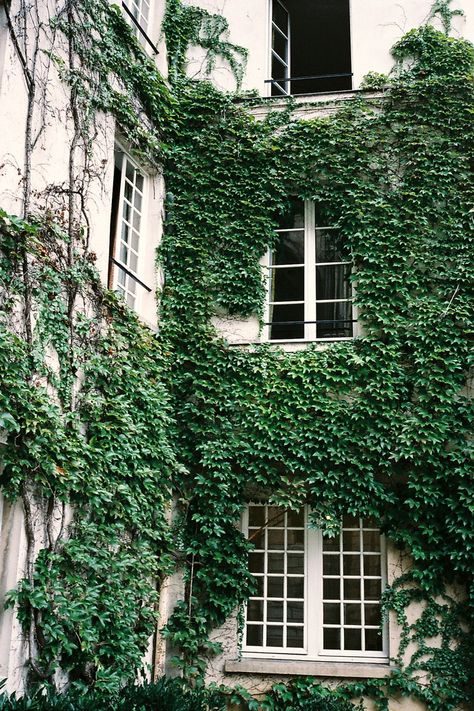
(375, 26)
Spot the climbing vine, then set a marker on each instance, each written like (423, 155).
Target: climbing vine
(110, 420)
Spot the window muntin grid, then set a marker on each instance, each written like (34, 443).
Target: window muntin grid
(280, 52)
(276, 613)
(129, 229)
(140, 10)
(333, 614)
(309, 288)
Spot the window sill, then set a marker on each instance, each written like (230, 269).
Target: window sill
(286, 667)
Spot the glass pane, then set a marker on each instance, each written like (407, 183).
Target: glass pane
(351, 540)
(129, 171)
(294, 636)
(256, 516)
(330, 247)
(128, 192)
(275, 611)
(296, 519)
(373, 641)
(295, 587)
(274, 636)
(287, 284)
(133, 262)
(275, 563)
(352, 615)
(295, 563)
(371, 541)
(135, 237)
(259, 586)
(371, 565)
(276, 539)
(130, 300)
(331, 589)
(331, 565)
(280, 329)
(334, 320)
(255, 635)
(372, 615)
(127, 211)
(332, 638)
(256, 562)
(275, 516)
(295, 612)
(139, 182)
(350, 521)
(372, 589)
(125, 233)
(332, 282)
(255, 610)
(279, 70)
(295, 540)
(289, 248)
(294, 216)
(280, 16)
(331, 614)
(280, 44)
(123, 253)
(136, 225)
(278, 90)
(351, 589)
(331, 544)
(257, 536)
(352, 639)
(275, 587)
(351, 564)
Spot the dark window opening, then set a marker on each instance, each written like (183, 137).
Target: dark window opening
(311, 49)
(114, 221)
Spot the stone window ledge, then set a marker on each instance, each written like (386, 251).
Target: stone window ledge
(347, 670)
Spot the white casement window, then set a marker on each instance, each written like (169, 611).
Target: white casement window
(140, 11)
(316, 597)
(280, 59)
(127, 228)
(309, 288)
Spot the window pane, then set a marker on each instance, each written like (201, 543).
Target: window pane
(331, 589)
(274, 636)
(351, 589)
(332, 638)
(296, 519)
(331, 544)
(372, 615)
(351, 540)
(295, 563)
(280, 315)
(350, 521)
(332, 282)
(371, 541)
(255, 635)
(279, 70)
(257, 536)
(330, 247)
(256, 562)
(295, 611)
(275, 587)
(275, 516)
(352, 639)
(373, 641)
(352, 564)
(259, 583)
(294, 636)
(287, 284)
(256, 516)
(295, 587)
(275, 611)
(372, 589)
(294, 216)
(334, 320)
(280, 16)
(371, 565)
(331, 565)
(280, 44)
(275, 562)
(352, 614)
(289, 248)
(331, 614)
(276, 539)
(295, 540)
(255, 610)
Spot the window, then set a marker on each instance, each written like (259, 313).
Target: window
(126, 228)
(311, 48)
(316, 597)
(310, 292)
(137, 14)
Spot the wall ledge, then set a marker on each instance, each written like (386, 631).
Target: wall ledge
(346, 670)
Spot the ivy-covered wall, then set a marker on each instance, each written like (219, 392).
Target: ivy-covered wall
(109, 420)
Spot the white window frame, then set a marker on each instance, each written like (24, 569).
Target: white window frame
(313, 649)
(285, 89)
(310, 287)
(132, 298)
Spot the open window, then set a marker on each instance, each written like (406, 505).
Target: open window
(310, 46)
